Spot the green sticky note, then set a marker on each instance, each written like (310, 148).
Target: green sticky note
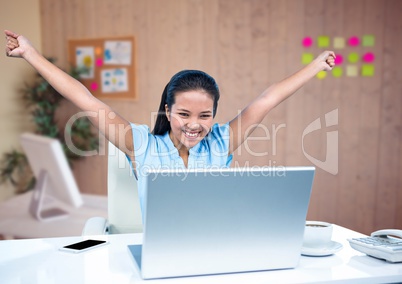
(321, 75)
(353, 57)
(351, 71)
(367, 70)
(339, 42)
(307, 58)
(337, 71)
(368, 40)
(323, 41)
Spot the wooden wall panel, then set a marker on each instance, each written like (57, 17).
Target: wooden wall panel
(389, 163)
(330, 97)
(369, 117)
(275, 122)
(349, 121)
(314, 14)
(294, 105)
(245, 46)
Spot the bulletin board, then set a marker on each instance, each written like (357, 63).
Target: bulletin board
(110, 63)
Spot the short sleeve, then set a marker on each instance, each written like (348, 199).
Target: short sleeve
(219, 143)
(141, 138)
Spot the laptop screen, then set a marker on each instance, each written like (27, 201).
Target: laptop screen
(219, 221)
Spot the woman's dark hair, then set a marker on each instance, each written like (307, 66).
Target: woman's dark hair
(184, 81)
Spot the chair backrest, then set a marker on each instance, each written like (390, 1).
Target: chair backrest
(124, 212)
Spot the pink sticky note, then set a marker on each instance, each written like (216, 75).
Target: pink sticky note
(307, 41)
(94, 86)
(338, 59)
(368, 57)
(354, 41)
(99, 62)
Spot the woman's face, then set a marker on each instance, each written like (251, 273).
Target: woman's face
(191, 118)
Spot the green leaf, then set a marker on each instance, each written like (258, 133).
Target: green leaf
(42, 100)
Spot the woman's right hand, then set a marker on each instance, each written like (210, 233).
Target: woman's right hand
(16, 45)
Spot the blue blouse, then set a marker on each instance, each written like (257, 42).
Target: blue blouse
(157, 152)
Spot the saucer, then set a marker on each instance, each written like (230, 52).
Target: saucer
(331, 248)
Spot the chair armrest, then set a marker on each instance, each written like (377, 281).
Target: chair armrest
(95, 226)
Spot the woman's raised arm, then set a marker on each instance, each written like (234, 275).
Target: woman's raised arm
(244, 124)
(115, 128)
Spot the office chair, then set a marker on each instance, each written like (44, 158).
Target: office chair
(124, 212)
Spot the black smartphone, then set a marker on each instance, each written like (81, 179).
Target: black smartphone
(83, 246)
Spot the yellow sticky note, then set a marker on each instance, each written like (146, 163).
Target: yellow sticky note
(321, 75)
(368, 40)
(339, 42)
(367, 70)
(337, 71)
(307, 58)
(323, 41)
(353, 57)
(351, 71)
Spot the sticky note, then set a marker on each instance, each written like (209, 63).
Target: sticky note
(99, 62)
(338, 59)
(98, 51)
(337, 71)
(339, 42)
(321, 75)
(354, 41)
(307, 42)
(323, 41)
(307, 58)
(353, 57)
(94, 86)
(368, 57)
(368, 40)
(351, 71)
(367, 70)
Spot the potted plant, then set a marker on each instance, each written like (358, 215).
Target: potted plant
(43, 101)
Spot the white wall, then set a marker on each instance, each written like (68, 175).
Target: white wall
(23, 17)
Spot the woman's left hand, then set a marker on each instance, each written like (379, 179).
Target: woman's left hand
(327, 58)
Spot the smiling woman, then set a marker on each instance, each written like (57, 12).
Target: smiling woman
(190, 119)
(184, 135)
(194, 81)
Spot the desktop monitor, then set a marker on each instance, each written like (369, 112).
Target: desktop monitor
(54, 178)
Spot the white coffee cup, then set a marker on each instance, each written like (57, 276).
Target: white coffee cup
(317, 234)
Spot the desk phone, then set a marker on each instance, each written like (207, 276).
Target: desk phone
(383, 244)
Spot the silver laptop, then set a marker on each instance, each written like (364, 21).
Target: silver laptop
(201, 222)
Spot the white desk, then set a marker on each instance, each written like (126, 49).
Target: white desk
(39, 261)
(17, 222)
